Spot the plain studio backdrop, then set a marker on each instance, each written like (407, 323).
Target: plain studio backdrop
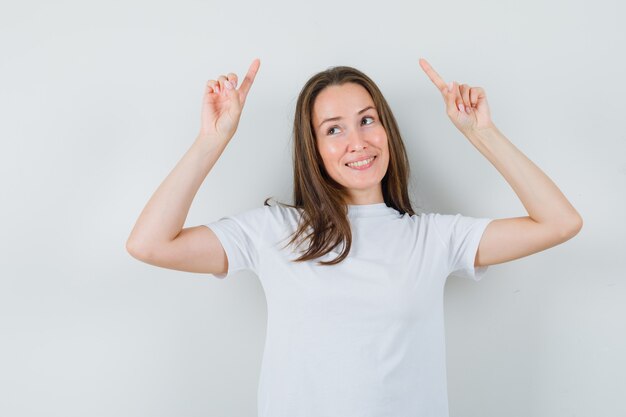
(100, 100)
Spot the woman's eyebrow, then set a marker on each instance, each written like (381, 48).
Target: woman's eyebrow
(332, 119)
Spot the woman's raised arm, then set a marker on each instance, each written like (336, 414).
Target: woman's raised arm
(551, 217)
(158, 237)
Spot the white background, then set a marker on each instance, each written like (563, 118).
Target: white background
(99, 101)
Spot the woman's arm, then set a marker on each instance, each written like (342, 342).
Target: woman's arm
(162, 219)
(552, 219)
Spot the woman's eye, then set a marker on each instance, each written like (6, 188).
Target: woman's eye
(331, 131)
(367, 120)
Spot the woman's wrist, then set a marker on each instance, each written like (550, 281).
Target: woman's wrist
(484, 132)
(209, 142)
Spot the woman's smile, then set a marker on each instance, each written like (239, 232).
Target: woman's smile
(362, 164)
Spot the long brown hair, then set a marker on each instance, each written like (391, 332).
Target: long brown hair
(324, 222)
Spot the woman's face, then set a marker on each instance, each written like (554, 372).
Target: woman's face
(349, 130)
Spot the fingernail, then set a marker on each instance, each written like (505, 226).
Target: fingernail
(467, 110)
(461, 107)
(229, 85)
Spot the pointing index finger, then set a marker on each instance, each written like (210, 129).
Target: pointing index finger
(432, 74)
(249, 79)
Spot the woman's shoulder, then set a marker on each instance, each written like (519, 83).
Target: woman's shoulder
(282, 212)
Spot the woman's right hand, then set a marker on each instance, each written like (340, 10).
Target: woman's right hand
(222, 104)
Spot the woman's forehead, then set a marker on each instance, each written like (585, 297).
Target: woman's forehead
(341, 101)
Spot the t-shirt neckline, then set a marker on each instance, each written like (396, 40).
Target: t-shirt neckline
(369, 210)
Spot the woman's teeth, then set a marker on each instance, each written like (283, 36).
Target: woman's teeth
(360, 163)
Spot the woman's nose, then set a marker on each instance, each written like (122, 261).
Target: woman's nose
(357, 142)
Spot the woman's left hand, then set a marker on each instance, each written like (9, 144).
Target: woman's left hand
(466, 106)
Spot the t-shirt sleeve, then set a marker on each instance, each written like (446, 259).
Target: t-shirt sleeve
(461, 235)
(240, 237)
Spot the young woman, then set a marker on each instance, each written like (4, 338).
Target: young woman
(353, 278)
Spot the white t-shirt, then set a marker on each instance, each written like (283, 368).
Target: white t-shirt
(365, 337)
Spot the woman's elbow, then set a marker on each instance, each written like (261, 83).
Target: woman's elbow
(574, 226)
(136, 249)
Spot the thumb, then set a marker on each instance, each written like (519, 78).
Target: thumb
(231, 92)
(449, 95)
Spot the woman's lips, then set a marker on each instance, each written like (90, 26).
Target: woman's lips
(362, 167)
